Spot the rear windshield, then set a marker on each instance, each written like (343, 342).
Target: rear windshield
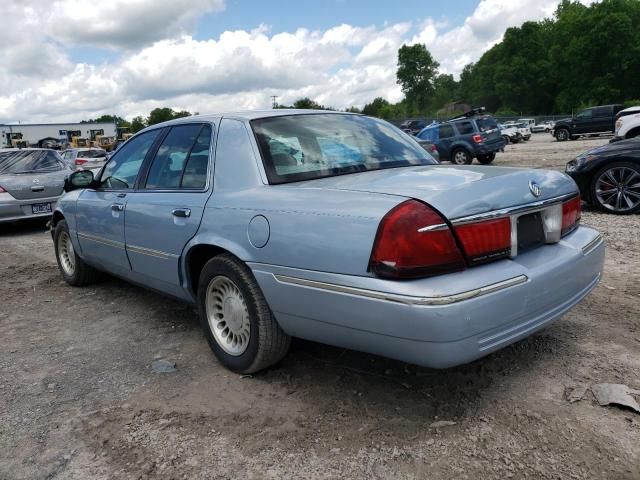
(92, 154)
(29, 161)
(304, 147)
(486, 124)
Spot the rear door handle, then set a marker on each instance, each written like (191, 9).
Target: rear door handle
(39, 188)
(117, 207)
(181, 212)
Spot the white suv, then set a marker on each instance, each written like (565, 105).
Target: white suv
(628, 123)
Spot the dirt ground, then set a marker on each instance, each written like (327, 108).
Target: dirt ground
(78, 398)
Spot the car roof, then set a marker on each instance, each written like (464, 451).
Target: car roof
(249, 115)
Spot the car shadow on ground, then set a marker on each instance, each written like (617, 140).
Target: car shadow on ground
(25, 227)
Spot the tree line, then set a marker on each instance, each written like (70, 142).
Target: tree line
(581, 56)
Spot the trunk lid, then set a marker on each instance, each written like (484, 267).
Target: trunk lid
(27, 186)
(456, 191)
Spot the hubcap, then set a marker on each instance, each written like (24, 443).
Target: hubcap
(66, 253)
(460, 158)
(228, 316)
(618, 189)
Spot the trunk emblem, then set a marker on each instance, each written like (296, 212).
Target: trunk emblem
(536, 190)
(36, 181)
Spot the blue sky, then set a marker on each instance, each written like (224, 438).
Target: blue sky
(288, 15)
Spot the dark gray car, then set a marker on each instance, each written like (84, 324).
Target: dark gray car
(31, 181)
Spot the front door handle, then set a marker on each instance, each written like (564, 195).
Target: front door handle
(181, 212)
(117, 207)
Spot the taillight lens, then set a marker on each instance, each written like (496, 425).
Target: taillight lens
(2, 190)
(477, 138)
(571, 210)
(485, 241)
(81, 161)
(413, 240)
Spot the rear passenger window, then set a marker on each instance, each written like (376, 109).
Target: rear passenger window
(446, 131)
(602, 112)
(464, 128)
(181, 160)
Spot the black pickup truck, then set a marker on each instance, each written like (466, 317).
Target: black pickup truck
(592, 121)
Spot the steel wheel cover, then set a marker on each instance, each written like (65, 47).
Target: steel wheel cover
(618, 189)
(66, 254)
(228, 316)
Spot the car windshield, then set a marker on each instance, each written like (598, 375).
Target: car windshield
(304, 147)
(92, 154)
(27, 161)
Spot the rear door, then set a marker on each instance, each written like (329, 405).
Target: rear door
(603, 119)
(164, 213)
(100, 212)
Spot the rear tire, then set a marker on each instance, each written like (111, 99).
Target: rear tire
(236, 319)
(486, 159)
(461, 157)
(74, 270)
(562, 135)
(507, 140)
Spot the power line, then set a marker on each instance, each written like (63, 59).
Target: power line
(274, 104)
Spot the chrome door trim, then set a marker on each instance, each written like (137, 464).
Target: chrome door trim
(104, 241)
(399, 298)
(151, 252)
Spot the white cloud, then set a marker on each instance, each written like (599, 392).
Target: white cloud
(160, 63)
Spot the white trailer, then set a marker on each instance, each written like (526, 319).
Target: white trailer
(41, 134)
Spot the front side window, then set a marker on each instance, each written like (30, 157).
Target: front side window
(303, 147)
(27, 161)
(446, 131)
(585, 115)
(122, 170)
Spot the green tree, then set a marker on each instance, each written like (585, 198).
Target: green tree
(137, 124)
(416, 74)
(159, 115)
(307, 104)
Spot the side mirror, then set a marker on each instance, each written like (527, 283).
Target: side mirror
(78, 180)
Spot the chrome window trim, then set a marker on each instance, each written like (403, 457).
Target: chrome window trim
(399, 298)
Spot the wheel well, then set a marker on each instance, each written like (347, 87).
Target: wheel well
(634, 132)
(57, 216)
(197, 257)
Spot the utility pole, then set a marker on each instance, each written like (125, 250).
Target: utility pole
(274, 104)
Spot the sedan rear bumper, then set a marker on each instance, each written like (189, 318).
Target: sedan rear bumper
(442, 321)
(13, 210)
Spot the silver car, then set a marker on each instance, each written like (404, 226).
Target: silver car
(31, 181)
(333, 227)
(85, 158)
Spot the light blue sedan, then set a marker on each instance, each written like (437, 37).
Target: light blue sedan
(253, 218)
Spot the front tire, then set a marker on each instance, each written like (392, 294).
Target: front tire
(461, 157)
(73, 269)
(615, 188)
(236, 319)
(562, 135)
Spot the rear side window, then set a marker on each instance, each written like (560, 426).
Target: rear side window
(602, 112)
(182, 158)
(464, 128)
(446, 131)
(30, 161)
(92, 154)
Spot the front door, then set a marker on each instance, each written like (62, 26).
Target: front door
(165, 212)
(100, 212)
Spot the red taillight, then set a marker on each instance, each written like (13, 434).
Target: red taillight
(414, 241)
(2, 190)
(571, 210)
(434, 148)
(485, 241)
(81, 161)
(477, 138)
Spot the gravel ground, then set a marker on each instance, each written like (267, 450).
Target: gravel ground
(78, 398)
